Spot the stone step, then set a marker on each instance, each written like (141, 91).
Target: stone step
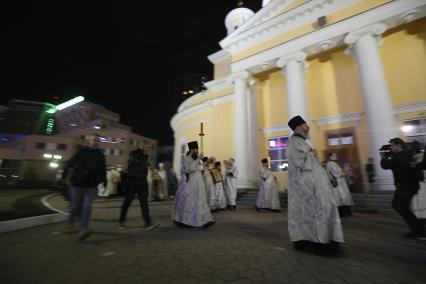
(379, 202)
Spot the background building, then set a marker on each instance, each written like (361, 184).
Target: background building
(353, 69)
(26, 117)
(25, 156)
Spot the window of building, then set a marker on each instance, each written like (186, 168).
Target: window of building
(415, 129)
(277, 147)
(62, 146)
(116, 152)
(40, 145)
(9, 164)
(51, 146)
(340, 139)
(107, 151)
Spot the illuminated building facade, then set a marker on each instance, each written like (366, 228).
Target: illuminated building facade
(354, 69)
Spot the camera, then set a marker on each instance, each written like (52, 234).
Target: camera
(411, 147)
(385, 151)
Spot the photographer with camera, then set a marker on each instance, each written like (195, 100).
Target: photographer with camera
(397, 159)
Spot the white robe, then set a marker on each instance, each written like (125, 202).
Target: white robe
(164, 191)
(231, 189)
(418, 202)
(341, 192)
(149, 180)
(312, 210)
(179, 200)
(221, 199)
(268, 195)
(210, 190)
(195, 211)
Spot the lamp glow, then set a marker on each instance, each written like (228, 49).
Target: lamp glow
(69, 103)
(407, 128)
(57, 157)
(53, 165)
(47, 156)
(65, 104)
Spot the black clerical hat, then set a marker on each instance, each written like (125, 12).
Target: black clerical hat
(193, 145)
(295, 122)
(264, 161)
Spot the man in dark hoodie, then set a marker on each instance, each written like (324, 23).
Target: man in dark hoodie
(87, 170)
(137, 183)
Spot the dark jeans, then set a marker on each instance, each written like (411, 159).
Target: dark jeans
(133, 187)
(81, 204)
(401, 203)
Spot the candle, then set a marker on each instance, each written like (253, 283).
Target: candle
(201, 125)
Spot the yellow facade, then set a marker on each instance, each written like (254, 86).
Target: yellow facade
(340, 15)
(333, 88)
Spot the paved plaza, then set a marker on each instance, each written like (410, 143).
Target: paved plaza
(243, 247)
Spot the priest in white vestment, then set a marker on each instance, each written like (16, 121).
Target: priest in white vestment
(195, 211)
(268, 195)
(312, 211)
(231, 190)
(341, 192)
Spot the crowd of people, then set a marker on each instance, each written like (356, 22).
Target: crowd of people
(318, 194)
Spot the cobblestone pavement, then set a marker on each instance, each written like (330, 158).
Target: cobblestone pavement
(243, 247)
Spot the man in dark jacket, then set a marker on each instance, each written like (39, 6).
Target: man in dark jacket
(88, 170)
(137, 183)
(406, 183)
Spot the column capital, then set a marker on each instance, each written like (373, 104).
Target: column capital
(299, 56)
(244, 75)
(373, 30)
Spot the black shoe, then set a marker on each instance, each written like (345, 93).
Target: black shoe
(84, 234)
(209, 224)
(257, 208)
(151, 226)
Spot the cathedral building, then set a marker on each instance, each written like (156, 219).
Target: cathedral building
(354, 69)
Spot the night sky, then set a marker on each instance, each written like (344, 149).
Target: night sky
(112, 52)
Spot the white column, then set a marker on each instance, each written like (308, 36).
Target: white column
(293, 70)
(253, 132)
(241, 130)
(377, 102)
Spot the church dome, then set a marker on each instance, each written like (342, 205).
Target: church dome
(236, 18)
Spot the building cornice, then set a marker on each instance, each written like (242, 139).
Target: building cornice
(218, 84)
(419, 106)
(275, 129)
(197, 108)
(391, 14)
(271, 27)
(356, 116)
(219, 56)
(261, 16)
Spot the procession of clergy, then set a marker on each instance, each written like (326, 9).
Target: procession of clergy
(313, 216)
